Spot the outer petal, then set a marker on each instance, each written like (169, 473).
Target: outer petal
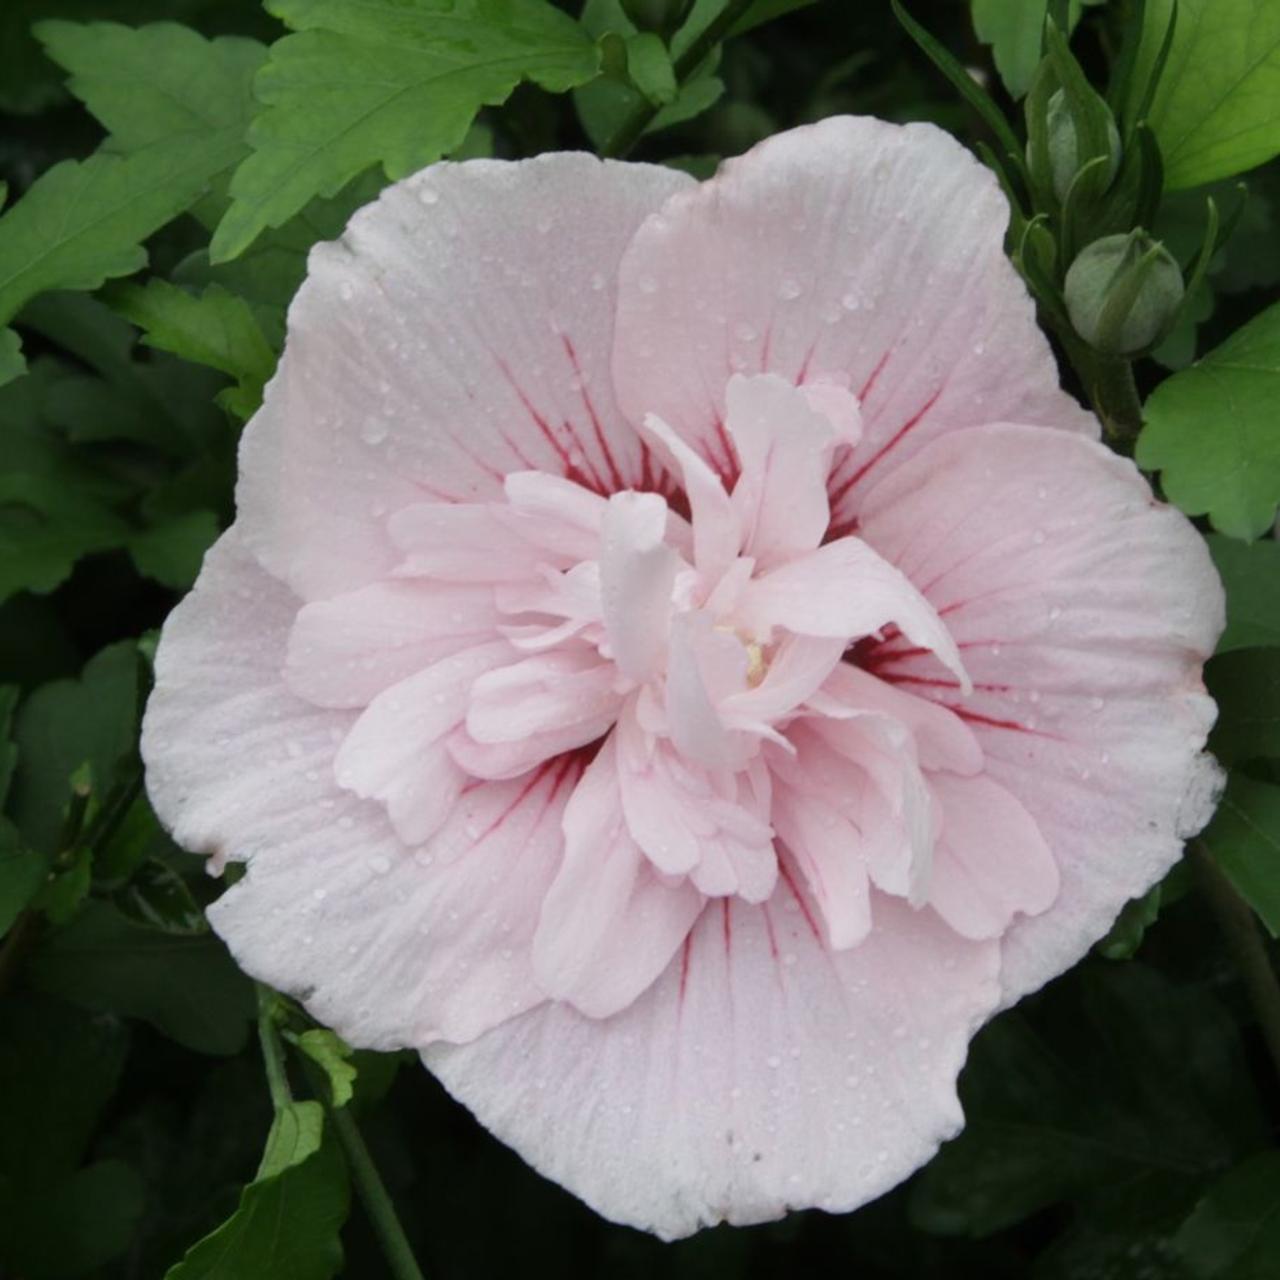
(1084, 611)
(390, 946)
(761, 1072)
(852, 251)
(459, 330)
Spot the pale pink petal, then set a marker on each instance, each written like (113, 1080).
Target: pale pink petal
(801, 666)
(498, 761)
(838, 405)
(990, 862)
(395, 751)
(637, 572)
(1084, 611)
(943, 740)
(784, 448)
(704, 664)
(547, 693)
(845, 590)
(608, 925)
(866, 768)
(345, 651)
(388, 946)
(827, 847)
(850, 251)
(460, 329)
(761, 1072)
(465, 542)
(717, 534)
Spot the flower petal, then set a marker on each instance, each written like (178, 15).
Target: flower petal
(395, 752)
(608, 925)
(1085, 611)
(637, 572)
(844, 590)
(458, 331)
(389, 947)
(851, 251)
(761, 1072)
(990, 862)
(345, 651)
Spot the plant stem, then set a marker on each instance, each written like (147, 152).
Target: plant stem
(272, 1049)
(632, 128)
(1240, 930)
(1108, 382)
(371, 1189)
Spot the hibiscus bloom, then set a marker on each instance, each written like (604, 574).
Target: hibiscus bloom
(682, 663)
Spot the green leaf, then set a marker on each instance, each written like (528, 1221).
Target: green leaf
(1246, 686)
(65, 725)
(650, 69)
(8, 749)
(296, 1131)
(1014, 30)
(216, 328)
(333, 1054)
(1213, 432)
(157, 896)
(83, 222)
(45, 529)
(22, 873)
(364, 82)
(1249, 573)
(160, 83)
(58, 1069)
(172, 552)
(1118, 1074)
(63, 893)
(186, 987)
(1136, 917)
(78, 1225)
(603, 104)
(286, 1226)
(1216, 111)
(1244, 838)
(765, 11)
(12, 362)
(1234, 1233)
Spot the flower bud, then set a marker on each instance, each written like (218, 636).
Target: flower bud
(1123, 293)
(1064, 145)
(662, 16)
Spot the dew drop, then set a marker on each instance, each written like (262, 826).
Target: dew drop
(647, 284)
(789, 289)
(428, 195)
(374, 431)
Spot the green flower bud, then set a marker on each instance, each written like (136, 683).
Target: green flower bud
(662, 16)
(1123, 293)
(1064, 145)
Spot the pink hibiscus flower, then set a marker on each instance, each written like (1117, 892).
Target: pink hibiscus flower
(682, 663)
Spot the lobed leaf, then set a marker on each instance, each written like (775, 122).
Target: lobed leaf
(364, 82)
(1213, 433)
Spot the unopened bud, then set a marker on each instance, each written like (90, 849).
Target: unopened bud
(1123, 293)
(1064, 146)
(661, 16)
